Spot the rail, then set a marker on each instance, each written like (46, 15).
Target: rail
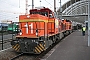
(17, 56)
(5, 41)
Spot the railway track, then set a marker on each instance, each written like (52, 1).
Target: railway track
(17, 56)
(11, 55)
(34, 57)
(5, 41)
(24, 56)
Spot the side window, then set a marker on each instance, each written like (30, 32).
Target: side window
(50, 15)
(45, 14)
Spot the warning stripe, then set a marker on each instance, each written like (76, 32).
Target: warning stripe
(42, 46)
(38, 50)
(17, 47)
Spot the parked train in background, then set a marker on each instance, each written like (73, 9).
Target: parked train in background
(3, 27)
(39, 30)
(13, 27)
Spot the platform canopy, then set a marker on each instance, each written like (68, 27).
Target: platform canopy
(75, 10)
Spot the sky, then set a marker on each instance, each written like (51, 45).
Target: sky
(10, 9)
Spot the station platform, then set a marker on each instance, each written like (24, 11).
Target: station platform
(73, 47)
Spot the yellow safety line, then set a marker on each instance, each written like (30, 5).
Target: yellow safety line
(36, 20)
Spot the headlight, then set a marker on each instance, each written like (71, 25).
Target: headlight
(28, 16)
(36, 32)
(20, 33)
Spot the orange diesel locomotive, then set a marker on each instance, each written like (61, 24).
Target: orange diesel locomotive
(39, 30)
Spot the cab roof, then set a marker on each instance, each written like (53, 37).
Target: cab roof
(41, 10)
